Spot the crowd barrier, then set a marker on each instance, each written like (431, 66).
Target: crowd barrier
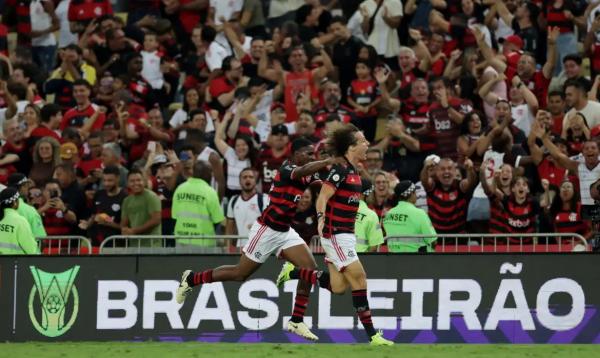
(226, 244)
(502, 298)
(65, 245)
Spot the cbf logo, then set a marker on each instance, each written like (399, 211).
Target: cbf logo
(54, 290)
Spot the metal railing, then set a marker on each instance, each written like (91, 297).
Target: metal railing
(222, 244)
(64, 245)
(170, 244)
(478, 243)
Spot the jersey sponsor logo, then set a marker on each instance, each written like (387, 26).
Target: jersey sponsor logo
(360, 216)
(53, 292)
(268, 174)
(353, 199)
(518, 223)
(442, 125)
(573, 217)
(190, 197)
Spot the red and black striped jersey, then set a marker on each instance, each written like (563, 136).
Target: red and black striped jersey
(285, 194)
(416, 118)
(340, 213)
(555, 16)
(268, 165)
(445, 130)
(570, 221)
(447, 208)
(514, 218)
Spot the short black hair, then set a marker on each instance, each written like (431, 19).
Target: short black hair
(50, 110)
(82, 82)
(74, 47)
(556, 93)
(111, 170)
(226, 65)
(367, 63)
(208, 34)
(575, 57)
(340, 138)
(17, 89)
(575, 82)
(135, 171)
(302, 13)
(67, 167)
(300, 143)
(339, 18)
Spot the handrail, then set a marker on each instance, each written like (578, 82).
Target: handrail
(60, 249)
(155, 247)
(505, 241)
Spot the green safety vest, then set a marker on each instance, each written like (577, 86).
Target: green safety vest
(404, 220)
(16, 237)
(367, 228)
(196, 209)
(33, 218)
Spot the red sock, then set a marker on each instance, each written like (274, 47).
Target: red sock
(299, 308)
(308, 275)
(198, 278)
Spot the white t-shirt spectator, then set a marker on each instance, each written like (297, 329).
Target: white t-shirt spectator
(180, 115)
(234, 168)
(215, 55)
(65, 36)
(245, 213)
(382, 37)
(40, 20)
(523, 117)
(591, 112)
(151, 69)
(263, 116)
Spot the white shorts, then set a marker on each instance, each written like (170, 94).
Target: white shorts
(340, 250)
(263, 241)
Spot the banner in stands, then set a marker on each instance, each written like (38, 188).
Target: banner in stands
(473, 298)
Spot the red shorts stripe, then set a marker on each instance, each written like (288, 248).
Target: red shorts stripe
(255, 239)
(338, 249)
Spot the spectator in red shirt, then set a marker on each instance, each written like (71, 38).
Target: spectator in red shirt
(82, 12)
(364, 96)
(89, 169)
(85, 116)
(222, 89)
(331, 97)
(51, 117)
(556, 107)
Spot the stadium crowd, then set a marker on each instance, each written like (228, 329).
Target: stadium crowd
(489, 106)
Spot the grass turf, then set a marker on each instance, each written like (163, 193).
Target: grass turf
(164, 350)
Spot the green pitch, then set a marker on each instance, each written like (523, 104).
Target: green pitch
(164, 350)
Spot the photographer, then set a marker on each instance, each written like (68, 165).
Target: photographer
(58, 219)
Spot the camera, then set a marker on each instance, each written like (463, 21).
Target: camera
(53, 194)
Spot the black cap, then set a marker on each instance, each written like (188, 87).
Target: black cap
(15, 180)
(9, 196)
(404, 189)
(279, 129)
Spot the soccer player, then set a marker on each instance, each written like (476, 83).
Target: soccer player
(337, 206)
(271, 233)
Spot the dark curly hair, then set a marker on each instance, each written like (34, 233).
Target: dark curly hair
(340, 138)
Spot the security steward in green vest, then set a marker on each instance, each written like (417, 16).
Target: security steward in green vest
(405, 219)
(367, 227)
(196, 208)
(21, 183)
(16, 237)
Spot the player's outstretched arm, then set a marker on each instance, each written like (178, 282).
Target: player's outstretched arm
(313, 167)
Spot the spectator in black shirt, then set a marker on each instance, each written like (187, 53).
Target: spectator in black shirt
(107, 203)
(345, 52)
(72, 195)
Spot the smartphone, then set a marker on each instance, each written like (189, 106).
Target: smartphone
(53, 194)
(152, 146)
